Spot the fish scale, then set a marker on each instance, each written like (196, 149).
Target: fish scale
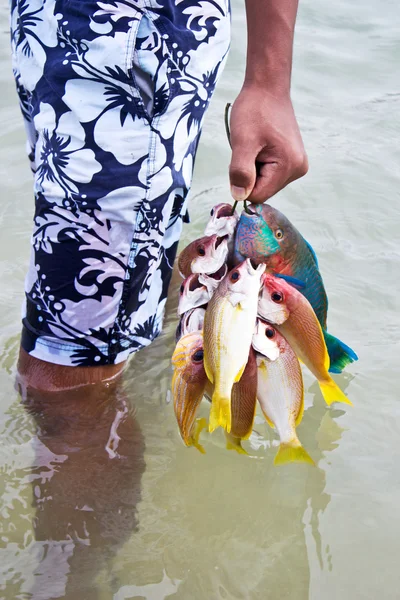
(305, 270)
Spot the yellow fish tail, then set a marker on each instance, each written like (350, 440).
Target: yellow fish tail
(332, 392)
(220, 413)
(234, 443)
(292, 452)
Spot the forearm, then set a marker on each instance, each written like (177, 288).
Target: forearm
(270, 30)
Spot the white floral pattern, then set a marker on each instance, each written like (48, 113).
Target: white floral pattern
(113, 95)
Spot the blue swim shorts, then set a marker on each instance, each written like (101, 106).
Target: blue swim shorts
(113, 95)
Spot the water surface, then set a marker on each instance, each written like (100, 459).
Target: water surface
(85, 517)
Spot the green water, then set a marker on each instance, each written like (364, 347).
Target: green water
(163, 521)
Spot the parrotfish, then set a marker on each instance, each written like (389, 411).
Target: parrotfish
(192, 294)
(188, 386)
(228, 329)
(205, 255)
(190, 322)
(266, 236)
(281, 396)
(282, 304)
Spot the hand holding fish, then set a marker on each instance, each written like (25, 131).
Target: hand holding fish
(267, 148)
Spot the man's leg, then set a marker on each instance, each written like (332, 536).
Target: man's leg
(43, 376)
(112, 174)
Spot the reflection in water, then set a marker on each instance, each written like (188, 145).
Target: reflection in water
(223, 525)
(86, 485)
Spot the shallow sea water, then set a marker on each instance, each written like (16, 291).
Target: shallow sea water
(163, 521)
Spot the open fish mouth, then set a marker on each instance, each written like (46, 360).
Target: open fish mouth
(212, 280)
(194, 283)
(220, 240)
(192, 321)
(223, 211)
(195, 294)
(254, 268)
(222, 221)
(220, 274)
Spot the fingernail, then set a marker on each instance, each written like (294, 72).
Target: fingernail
(238, 193)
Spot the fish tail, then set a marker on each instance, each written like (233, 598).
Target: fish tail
(220, 413)
(292, 451)
(340, 355)
(195, 437)
(332, 392)
(234, 443)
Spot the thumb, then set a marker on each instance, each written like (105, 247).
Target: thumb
(242, 172)
(272, 177)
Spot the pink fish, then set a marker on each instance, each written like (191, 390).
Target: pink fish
(205, 255)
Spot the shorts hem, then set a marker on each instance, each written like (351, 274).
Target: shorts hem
(69, 354)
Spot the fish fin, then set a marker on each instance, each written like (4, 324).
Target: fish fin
(195, 437)
(301, 411)
(340, 354)
(234, 443)
(207, 369)
(292, 452)
(220, 413)
(311, 249)
(240, 373)
(270, 423)
(332, 392)
(292, 280)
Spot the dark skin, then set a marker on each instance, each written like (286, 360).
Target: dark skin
(267, 152)
(267, 148)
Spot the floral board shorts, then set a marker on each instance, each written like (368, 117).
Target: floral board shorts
(113, 95)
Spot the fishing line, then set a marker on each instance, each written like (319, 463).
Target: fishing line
(227, 128)
(228, 108)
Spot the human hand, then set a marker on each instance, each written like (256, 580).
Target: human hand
(267, 148)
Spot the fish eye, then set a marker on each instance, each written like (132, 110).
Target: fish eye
(212, 212)
(277, 297)
(270, 333)
(182, 289)
(235, 276)
(198, 356)
(201, 251)
(279, 234)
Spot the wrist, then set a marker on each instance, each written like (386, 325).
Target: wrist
(267, 89)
